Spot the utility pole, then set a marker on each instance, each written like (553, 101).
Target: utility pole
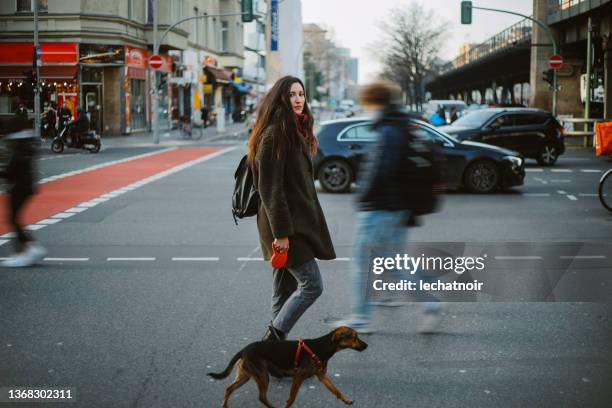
(587, 98)
(155, 95)
(36, 67)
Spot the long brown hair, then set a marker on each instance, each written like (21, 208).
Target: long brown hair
(275, 110)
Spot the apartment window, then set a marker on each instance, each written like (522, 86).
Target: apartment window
(27, 6)
(224, 36)
(177, 10)
(130, 9)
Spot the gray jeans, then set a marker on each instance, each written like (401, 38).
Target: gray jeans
(294, 290)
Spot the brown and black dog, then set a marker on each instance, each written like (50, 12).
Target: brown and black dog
(254, 362)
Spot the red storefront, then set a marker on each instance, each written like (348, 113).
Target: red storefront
(136, 86)
(58, 75)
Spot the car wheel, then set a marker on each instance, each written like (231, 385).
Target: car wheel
(548, 155)
(335, 176)
(481, 177)
(57, 146)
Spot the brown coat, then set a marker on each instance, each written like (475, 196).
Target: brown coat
(288, 203)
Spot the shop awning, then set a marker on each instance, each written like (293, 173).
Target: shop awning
(240, 87)
(60, 73)
(221, 75)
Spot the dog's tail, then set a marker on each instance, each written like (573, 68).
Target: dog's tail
(228, 369)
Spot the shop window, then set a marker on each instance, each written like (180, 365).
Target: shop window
(27, 6)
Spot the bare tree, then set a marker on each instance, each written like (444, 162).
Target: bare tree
(409, 47)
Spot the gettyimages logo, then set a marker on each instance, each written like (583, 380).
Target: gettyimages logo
(411, 264)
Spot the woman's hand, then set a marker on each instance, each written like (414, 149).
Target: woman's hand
(281, 244)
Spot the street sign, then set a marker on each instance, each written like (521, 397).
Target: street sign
(156, 61)
(555, 61)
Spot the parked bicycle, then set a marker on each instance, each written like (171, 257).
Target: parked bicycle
(189, 130)
(605, 190)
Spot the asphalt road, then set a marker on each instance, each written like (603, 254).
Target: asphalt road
(147, 290)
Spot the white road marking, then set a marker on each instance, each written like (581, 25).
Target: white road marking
(534, 170)
(3, 241)
(75, 209)
(537, 194)
(590, 171)
(130, 259)
(561, 170)
(63, 215)
(518, 257)
(584, 257)
(561, 181)
(342, 259)
(49, 221)
(249, 259)
(66, 259)
(196, 259)
(572, 197)
(561, 192)
(34, 227)
(87, 204)
(8, 235)
(588, 195)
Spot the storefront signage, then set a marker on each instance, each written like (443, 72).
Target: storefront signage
(274, 26)
(136, 57)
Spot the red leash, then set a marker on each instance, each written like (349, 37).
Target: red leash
(303, 346)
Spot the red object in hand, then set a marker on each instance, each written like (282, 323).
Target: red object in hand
(278, 259)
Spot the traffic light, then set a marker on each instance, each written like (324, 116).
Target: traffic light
(548, 76)
(466, 12)
(247, 10)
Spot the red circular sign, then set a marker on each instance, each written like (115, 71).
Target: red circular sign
(156, 61)
(555, 61)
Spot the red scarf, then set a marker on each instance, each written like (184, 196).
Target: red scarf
(305, 130)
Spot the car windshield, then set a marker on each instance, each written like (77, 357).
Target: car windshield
(473, 119)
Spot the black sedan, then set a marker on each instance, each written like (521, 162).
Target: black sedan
(534, 133)
(479, 167)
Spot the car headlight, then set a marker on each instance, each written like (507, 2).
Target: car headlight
(517, 162)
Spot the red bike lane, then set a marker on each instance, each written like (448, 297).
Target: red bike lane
(56, 196)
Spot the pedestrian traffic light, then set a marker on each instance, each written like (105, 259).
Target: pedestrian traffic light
(548, 76)
(466, 12)
(247, 10)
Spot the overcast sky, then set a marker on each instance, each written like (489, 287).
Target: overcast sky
(355, 23)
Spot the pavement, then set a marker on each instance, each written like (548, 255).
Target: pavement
(149, 285)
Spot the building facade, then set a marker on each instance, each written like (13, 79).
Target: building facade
(95, 55)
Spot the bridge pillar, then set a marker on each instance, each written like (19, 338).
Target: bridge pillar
(541, 96)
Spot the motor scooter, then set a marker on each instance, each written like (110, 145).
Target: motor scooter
(89, 140)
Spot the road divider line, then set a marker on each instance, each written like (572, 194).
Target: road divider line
(63, 215)
(561, 181)
(130, 259)
(249, 259)
(35, 227)
(49, 221)
(561, 170)
(66, 259)
(534, 170)
(202, 259)
(588, 195)
(3, 241)
(590, 171)
(572, 197)
(561, 192)
(537, 194)
(583, 257)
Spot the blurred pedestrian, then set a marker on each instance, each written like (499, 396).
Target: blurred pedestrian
(439, 117)
(385, 210)
(204, 112)
(453, 114)
(65, 116)
(21, 115)
(280, 149)
(19, 175)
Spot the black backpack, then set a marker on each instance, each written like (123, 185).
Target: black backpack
(245, 200)
(420, 175)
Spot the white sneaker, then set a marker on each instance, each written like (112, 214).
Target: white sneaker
(19, 260)
(36, 252)
(361, 326)
(429, 323)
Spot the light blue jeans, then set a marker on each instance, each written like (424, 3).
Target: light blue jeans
(294, 291)
(380, 234)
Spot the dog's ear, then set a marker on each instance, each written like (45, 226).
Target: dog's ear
(341, 333)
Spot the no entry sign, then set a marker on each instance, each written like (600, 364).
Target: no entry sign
(555, 61)
(156, 61)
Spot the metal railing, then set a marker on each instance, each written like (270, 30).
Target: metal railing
(588, 126)
(516, 33)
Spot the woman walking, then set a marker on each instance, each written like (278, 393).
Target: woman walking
(280, 149)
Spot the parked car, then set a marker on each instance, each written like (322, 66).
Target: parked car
(478, 167)
(534, 133)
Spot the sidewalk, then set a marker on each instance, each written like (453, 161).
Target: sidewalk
(234, 131)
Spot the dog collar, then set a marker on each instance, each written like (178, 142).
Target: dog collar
(303, 346)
